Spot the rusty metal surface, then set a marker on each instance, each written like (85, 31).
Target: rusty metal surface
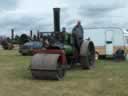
(44, 61)
(87, 55)
(62, 58)
(39, 74)
(84, 48)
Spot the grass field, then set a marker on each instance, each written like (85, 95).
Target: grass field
(109, 78)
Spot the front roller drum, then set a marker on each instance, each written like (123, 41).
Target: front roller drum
(48, 74)
(47, 66)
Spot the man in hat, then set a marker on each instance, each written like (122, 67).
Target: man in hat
(77, 34)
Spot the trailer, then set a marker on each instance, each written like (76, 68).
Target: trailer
(107, 40)
(126, 41)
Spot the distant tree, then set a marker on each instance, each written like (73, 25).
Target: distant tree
(2, 38)
(6, 44)
(23, 39)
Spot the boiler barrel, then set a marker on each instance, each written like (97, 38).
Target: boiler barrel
(68, 50)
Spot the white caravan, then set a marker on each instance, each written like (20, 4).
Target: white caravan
(106, 39)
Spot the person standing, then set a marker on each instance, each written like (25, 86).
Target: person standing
(77, 39)
(78, 35)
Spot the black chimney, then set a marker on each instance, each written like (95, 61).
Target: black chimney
(12, 34)
(38, 34)
(31, 33)
(56, 19)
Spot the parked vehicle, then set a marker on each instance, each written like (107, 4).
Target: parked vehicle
(26, 49)
(126, 40)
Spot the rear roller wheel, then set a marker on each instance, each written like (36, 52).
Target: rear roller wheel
(87, 57)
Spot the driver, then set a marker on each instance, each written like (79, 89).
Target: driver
(77, 34)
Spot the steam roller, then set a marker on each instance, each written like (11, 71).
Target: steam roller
(51, 62)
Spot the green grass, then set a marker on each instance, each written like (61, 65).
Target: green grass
(109, 78)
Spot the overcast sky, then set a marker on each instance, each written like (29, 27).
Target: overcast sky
(24, 15)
